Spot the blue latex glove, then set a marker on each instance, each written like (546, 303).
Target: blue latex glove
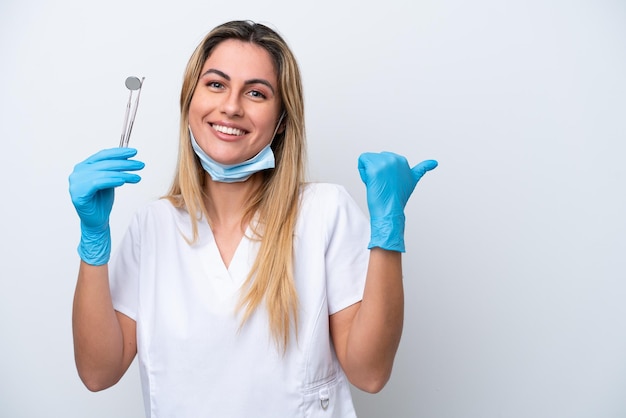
(91, 189)
(389, 181)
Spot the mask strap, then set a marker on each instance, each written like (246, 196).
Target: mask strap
(278, 125)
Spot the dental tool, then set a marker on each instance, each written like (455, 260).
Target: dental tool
(132, 84)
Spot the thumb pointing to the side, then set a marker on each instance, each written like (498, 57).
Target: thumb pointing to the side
(421, 169)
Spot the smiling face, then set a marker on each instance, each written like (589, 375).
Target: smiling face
(236, 103)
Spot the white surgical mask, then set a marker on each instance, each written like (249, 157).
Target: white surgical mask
(232, 173)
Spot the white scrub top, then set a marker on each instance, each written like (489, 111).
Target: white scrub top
(195, 361)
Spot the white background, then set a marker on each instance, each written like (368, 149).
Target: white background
(515, 267)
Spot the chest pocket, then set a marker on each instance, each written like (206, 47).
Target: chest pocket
(330, 399)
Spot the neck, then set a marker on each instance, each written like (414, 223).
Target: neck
(226, 202)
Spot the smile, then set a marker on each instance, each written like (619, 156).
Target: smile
(228, 130)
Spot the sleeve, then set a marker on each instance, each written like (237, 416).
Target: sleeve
(124, 272)
(347, 255)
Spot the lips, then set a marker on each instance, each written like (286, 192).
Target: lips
(228, 130)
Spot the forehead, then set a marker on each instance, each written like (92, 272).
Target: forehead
(243, 60)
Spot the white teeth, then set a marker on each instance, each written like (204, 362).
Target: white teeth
(227, 130)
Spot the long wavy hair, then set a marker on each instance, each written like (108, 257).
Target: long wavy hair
(275, 204)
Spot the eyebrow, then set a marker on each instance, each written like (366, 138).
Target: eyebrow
(247, 82)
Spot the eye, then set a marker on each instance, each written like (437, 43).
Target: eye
(257, 94)
(215, 85)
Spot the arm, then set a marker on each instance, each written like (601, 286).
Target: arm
(366, 335)
(104, 340)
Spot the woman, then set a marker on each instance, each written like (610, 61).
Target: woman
(245, 291)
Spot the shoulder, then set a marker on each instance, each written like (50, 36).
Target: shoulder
(160, 212)
(161, 222)
(325, 194)
(156, 208)
(328, 203)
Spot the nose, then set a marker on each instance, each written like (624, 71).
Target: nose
(231, 105)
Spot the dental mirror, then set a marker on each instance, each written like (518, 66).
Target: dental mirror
(132, 84)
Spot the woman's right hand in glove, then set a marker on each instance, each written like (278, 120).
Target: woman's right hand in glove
(92, 186)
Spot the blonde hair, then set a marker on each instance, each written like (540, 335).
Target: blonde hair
(275, 204)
